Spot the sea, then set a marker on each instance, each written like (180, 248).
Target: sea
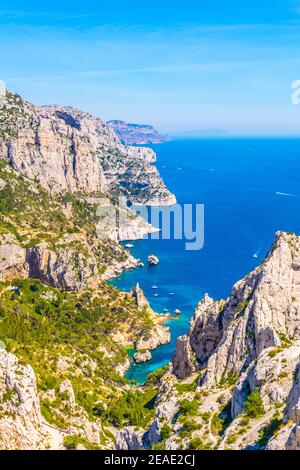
(250, 188)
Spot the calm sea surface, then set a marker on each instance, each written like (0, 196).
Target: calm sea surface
(250, 189)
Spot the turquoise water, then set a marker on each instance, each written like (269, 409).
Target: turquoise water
(250, 189)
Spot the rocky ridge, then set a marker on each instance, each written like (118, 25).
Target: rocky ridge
(68, 150)
(234, 380)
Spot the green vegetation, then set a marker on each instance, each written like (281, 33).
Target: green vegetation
(199, 444)
(155, 377)
(39, 323)
(254, 407)
(242, 306)
(189, 387)
(269, 430)
(72, 442)
(217, 424)
(188, 407)
(228, 379)
(165, 432)
(189, 426)
(133, 408)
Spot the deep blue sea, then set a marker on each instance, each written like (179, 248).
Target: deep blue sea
(250, 188)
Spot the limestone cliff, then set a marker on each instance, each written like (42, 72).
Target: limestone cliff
(263, 308)
(236, 373)
(21, 424)
(68, 150)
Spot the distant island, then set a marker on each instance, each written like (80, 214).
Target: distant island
(130, 134)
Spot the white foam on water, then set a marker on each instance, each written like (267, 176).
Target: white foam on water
(285, 194)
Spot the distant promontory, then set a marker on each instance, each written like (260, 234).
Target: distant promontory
(130, 134)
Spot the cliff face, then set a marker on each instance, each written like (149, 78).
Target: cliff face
(66, 331)
(137, 133)
(21, 425)
(235, 375)
(68, 150)
(263, 308)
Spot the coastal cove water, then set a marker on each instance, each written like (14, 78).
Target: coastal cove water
(250, 189)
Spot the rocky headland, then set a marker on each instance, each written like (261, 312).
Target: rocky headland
(130, 134)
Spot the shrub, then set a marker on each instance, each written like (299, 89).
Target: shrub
(269, 430)
(165, 432)
(254, 407)
(188, 426)
(217, 424)
(198, 444)
(190, 387)
(188, 406)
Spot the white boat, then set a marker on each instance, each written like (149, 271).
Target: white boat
(129, 245)
(154, 286)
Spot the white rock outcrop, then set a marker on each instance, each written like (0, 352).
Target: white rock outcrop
(262, 310)
(21, 425)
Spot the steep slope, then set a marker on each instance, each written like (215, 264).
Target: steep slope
(64, 332)
(55, 238)
(234, 381)
(68, 150)
(74, 346)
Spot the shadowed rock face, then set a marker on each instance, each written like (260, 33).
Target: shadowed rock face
(68, 150)
(56, 267)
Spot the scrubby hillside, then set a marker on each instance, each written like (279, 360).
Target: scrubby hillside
(62, 326)
(65, 333)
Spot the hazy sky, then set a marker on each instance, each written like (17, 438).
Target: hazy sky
(179, 65)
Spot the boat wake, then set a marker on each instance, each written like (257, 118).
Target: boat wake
(285, 194)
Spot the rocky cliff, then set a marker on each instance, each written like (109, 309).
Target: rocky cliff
(137, 133)
(234, 380)
(64, 332)
(262, 310)
(68, 150)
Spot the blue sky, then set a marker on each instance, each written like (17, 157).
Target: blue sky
(179, 65)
